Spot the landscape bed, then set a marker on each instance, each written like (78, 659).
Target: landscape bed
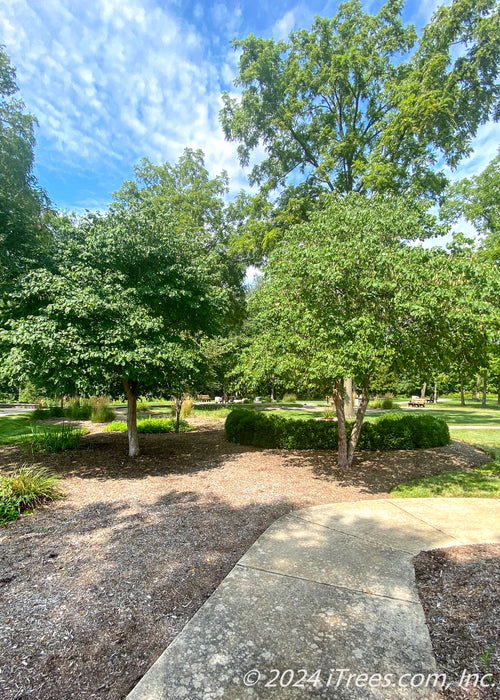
(96, 585)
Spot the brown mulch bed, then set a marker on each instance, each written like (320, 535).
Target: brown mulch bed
(94, 587)
(460, 591)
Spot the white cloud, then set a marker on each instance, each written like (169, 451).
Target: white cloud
(283, 27)
(118, 80)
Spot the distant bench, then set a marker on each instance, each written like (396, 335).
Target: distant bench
(417, 402)
(203, 397)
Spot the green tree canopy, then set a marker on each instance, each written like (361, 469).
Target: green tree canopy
(346, 294)
(22, 202)
(361, 103)
(126, 306)
(477, 200)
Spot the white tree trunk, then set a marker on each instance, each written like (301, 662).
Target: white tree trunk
(131, 389)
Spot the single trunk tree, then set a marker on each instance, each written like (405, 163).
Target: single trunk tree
(424, 390)
(485, 386)
(131, 390)
(435, 397)
(178, 401)
(462, 397)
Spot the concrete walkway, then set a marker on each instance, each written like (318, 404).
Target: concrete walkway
(323, 589)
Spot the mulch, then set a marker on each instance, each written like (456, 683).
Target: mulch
(459, 589)
(94, 587)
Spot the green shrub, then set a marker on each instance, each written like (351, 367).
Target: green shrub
(29, 394)
(161, 425)
(46, 413)
(142, 405)
(150, 425)
(393, 431)
(329, 413)
(77, 411)
(63, 437)
(289, 398)
(27, 488)
(9, 509)
(117, 426)
(387, 401)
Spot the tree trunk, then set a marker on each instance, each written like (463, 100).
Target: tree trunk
(476, 387)
(62, 402)
(349, 412)
(498, 397)
(356, 431)
(178, 408)
(485, 387)
(435, 398)
(424, 390)
(462, 397)
(338, 397)
(131, 390)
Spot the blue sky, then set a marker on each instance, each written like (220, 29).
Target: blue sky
(111, 81)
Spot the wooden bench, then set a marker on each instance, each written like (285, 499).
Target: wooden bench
(203, 397)
(416, 402)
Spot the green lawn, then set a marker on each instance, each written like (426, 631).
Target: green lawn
(481, 482)
(16, 428)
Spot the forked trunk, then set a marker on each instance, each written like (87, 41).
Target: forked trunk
(349, 412)
(131, 389)
(347, 449)
(356, 431)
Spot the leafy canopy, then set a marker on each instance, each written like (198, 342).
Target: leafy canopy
(348, 106)
(22, 202)
(346, 294)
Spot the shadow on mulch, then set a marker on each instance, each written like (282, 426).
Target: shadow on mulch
(104, 456)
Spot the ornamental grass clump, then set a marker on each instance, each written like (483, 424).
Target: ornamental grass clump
(58, 439)
(25, 489)
(102, 411)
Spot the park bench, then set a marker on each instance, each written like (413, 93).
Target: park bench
(203, 397)
(416, 402)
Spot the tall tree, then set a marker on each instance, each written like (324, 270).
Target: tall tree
(347, 105)
(403, 306)
(22, 202)
(477, 200)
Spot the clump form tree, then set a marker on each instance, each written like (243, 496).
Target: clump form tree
(347, 294)
(128, 296)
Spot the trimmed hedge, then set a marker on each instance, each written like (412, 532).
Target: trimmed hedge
(393, 431)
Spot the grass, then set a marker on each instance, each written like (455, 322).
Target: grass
(482, 482)
(60, 438)
(16, 428)
(25, 489)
